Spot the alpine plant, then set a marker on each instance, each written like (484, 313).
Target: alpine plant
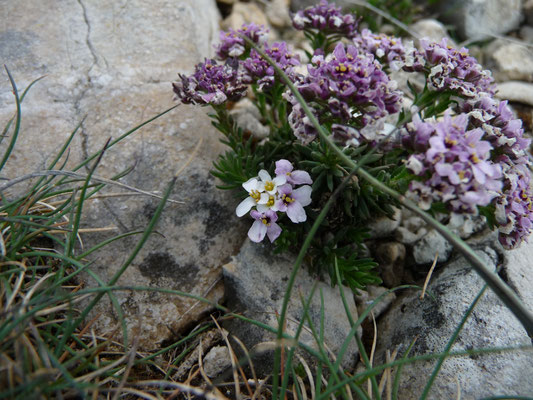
(446, 143)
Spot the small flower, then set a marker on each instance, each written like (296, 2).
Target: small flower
(264, 224)
(453, 69)
(211, 83)
(326, 18)
(298, 177)
(386, 48)
(233, 45)
(256, 195)
(293, 202)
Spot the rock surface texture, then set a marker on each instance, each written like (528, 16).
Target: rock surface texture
(432, 322)
(477, 19)
(255, 283)
(114, 62)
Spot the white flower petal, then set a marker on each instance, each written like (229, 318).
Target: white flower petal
(280, 180)
(257, 232)
(262, 208)
(245, 206)
(296, 213)
(250, 184)
(264, 198)
(264, 175)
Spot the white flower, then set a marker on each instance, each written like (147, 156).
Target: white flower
(256, 195)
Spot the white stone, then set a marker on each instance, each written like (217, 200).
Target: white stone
(511, 60)
(478, 19)
(520, 92)
(428, 246)
(277, 12)
(385, 226)
(431, 29)
(216, 361)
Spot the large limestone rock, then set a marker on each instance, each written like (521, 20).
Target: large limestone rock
(478, 19)
(432, 322)
(113, 62)
(256, 280)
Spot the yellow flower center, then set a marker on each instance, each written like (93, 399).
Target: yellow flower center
(269, 185)
(461, 175)
(475, 158)
(287, 199)
(270, 201)
(254, 194)
(342, 68)
(265, 221)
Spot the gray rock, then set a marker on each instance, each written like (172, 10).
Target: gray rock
(528, 12)
(477, 19)
(431, 29)
(466, 225)
(301, 4)
(391, 257)
(405, 236)
(115, 64)
(277, 12)
(520, 92)
(433, 320)
(366, 297)
(425, 249)
(216, 361)
(255, 282)
(526, 33)
(510, 60)
(385, 226)
(517, 267)
(247, 117)
(244, 13)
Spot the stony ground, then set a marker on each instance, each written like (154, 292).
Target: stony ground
(110, 64)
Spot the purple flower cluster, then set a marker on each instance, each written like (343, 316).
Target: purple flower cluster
(350, 86)
(514, 208)
(386, 49)
(272, 195)
(233, 45)
(454, 164)
(211, 83)
(257, 69)
(452, 69)
(326, 18)
(214, 83)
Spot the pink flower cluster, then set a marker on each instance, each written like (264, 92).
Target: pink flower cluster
(272, 195)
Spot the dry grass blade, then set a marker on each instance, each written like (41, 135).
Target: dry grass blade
(75, 175)
(309, 374)
(372, 351)
(62, 307)
(137, 393)
(180, 387)
(234, 366)
(202, 372)
(82, 332)
(100, 371)
(386, 379)
(458, 388)
(251, 364)
(17, 285)
(36, 286)
(428, 277)
(301, 383)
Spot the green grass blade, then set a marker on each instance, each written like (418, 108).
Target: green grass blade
(17, 121)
